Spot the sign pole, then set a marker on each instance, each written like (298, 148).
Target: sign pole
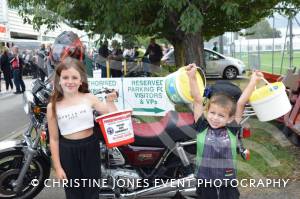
(107, 69)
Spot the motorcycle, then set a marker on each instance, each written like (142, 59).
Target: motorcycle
(21, 161)
(163, 150)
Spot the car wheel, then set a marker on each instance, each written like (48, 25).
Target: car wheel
(230, 72)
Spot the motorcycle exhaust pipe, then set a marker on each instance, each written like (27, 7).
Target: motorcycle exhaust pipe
(168, 189)
(190, 192)
(187, 192)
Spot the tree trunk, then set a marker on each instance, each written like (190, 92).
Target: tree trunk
(194, 49)
(188, 49)
(179, 53)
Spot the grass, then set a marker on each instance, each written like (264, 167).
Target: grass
(266, 61)
(283, 154)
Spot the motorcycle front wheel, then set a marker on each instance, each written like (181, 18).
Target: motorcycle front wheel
(180, 172)
(11, 163)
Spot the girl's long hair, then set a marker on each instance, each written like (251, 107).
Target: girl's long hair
(67, 63)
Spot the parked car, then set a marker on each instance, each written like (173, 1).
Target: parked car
(216, 64)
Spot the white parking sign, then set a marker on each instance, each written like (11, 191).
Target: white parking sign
(145, 96)
(100, 84)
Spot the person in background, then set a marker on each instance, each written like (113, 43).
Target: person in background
(50, 63)
(1, 51)
(88, 62)
(0, 75)
(41, 59)
(35, 72)
(215, 48)
(103, 50)
(128, 54)
(116, 57)
(17, 64)
(6, 69)
(103, 53)
(155, 54)
(166, 49)
(136, 52)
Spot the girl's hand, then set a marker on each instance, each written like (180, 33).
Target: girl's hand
(191, 70)
(256, 76)
(112, 96)
(60, 174)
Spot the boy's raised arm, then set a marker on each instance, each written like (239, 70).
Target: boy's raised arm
(255, 78)
(194, 89)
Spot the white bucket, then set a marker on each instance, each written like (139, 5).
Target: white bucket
(270, 101)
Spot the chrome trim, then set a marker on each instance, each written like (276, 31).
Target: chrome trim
(9, 144)
(165, 190)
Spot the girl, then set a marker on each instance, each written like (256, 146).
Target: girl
(74, 147)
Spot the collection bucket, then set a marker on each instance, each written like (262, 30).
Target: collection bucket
(178, 87)
(270, 101)
(116, 128)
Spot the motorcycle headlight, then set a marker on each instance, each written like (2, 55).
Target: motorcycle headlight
(28, 101)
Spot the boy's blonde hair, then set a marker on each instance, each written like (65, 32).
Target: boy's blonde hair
(223, 100)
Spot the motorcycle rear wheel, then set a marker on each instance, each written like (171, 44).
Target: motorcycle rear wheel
(11, 163)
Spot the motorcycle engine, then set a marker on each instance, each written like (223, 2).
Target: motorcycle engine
(116, 170)
(127, 179)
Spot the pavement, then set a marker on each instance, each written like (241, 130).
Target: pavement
(6, 95)
(27, 80)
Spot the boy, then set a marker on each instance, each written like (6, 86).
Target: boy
(216, 139)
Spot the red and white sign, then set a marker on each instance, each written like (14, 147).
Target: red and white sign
(116, 128)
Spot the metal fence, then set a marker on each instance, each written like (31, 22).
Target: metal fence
(272, 55)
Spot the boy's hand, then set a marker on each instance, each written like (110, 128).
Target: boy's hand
(191, 70)
(256, 76)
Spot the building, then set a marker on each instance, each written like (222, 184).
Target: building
(265, 45)
(13, 30)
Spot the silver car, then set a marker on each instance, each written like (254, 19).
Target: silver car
(216, 64)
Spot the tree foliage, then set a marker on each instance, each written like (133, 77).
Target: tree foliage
(184, 23)
(262, 30)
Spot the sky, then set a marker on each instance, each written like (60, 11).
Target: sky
(282, 21)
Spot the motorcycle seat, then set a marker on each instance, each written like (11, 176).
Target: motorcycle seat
(153, 129)
(172, 128)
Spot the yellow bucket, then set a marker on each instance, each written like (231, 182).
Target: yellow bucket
(178, 87)
(270, 101)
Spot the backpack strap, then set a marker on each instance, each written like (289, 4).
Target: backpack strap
(233, 145)
(200, 147)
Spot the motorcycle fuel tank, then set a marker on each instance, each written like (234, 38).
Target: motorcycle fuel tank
(142, 156)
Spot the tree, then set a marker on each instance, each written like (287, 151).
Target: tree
(262, 30)
(184, 23)
(129, 41)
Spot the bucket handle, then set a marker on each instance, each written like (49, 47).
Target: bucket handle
(266, 81)
(204, 78)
